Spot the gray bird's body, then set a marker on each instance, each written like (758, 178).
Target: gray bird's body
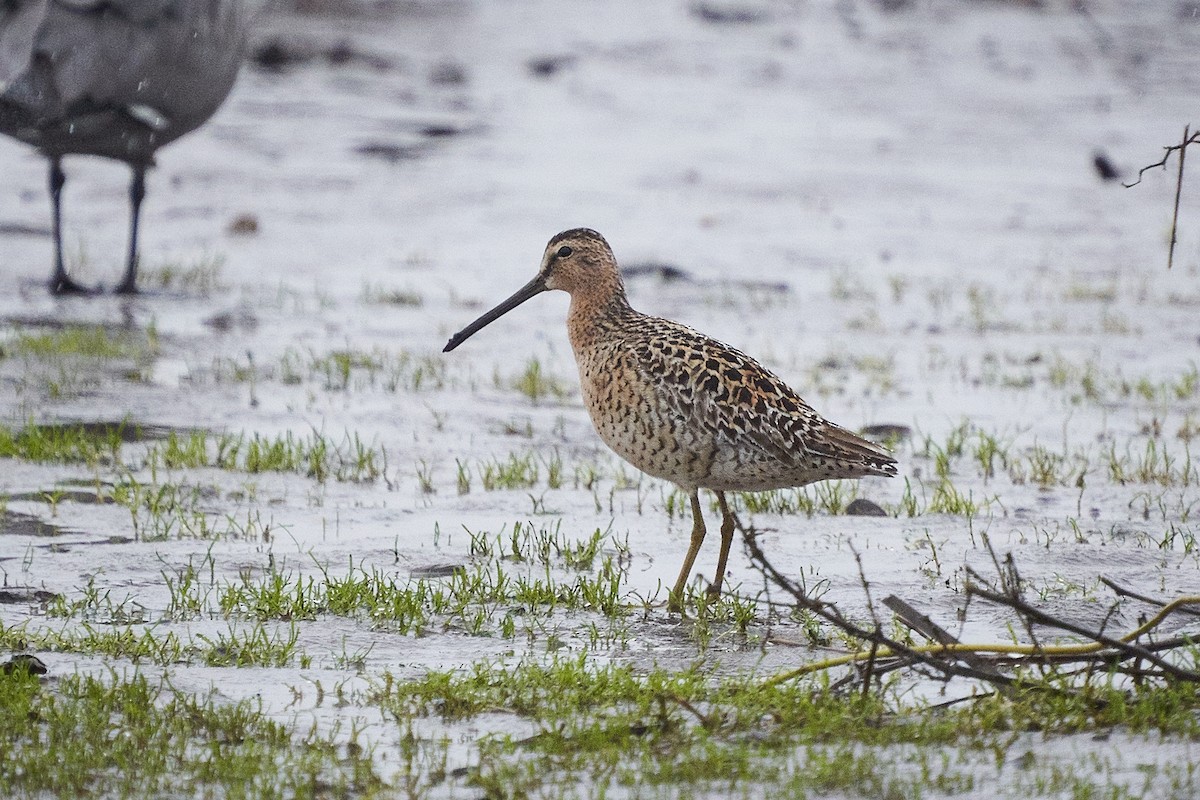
(113, 78)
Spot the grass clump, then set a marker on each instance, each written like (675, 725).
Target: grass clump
(161, 511)
(255, 646)
(358, 370)
(315, 456)
(86, 341)
(380, 295)
(682, 732)
(478, 601)
(343, 370)
(1153, 465)
(535, 384)
(126, 736)
(518, 471)
(631, 729)
(71, 443)
(513, 580)
(826, 497)
(202, 277)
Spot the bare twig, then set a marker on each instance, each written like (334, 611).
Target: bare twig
(869, 671)
(830, 613)
(1188, 138)
(1193, 138)
(994, 664)
(1102, 657)
(866, 587)
(925, 626)
(1178, 192)
(1121, 591)
(1010, 582)
(1039, 617)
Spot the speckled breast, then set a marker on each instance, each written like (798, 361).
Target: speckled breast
(635, 417)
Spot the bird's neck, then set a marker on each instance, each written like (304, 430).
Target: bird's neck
(594, 318)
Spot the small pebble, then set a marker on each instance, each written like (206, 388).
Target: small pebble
(864, 508)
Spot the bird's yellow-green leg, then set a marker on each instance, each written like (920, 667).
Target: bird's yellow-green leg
(675, 603)
(714, 590)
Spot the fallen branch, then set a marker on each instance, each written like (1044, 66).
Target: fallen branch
(947, 657)
(1040, 617)
(882, 644)
(925, 626)
(1121, 591)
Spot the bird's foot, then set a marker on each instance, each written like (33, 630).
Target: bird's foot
(62, 285)
(126, 287)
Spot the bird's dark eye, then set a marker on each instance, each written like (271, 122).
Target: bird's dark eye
(564, 251)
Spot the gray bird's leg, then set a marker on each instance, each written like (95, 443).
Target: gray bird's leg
(137, 193)
(60, 282)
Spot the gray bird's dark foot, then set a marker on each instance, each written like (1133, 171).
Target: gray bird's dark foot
(126, 287)
(62, 285)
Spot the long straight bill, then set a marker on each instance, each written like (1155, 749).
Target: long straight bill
(534, 287)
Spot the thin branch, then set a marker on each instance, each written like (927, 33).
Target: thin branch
(1178, 192)
(869, 671)
(925, 626)
(830, 613)
(1162, 162)
(866, 587)
(947, 658)
(1010, 583)
(1188, 138)
(1121, 591)
(1039, 617)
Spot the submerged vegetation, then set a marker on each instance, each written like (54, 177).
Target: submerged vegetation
(134, 735)
(741, 734)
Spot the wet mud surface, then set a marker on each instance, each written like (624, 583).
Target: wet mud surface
(896, 207)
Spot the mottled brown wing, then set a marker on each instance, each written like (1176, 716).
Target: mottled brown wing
(720, 388)
(714, 387)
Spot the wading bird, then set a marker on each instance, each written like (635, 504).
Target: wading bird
(680, 405)
(113, 78)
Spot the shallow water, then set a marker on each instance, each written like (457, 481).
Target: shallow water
(896, 211)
